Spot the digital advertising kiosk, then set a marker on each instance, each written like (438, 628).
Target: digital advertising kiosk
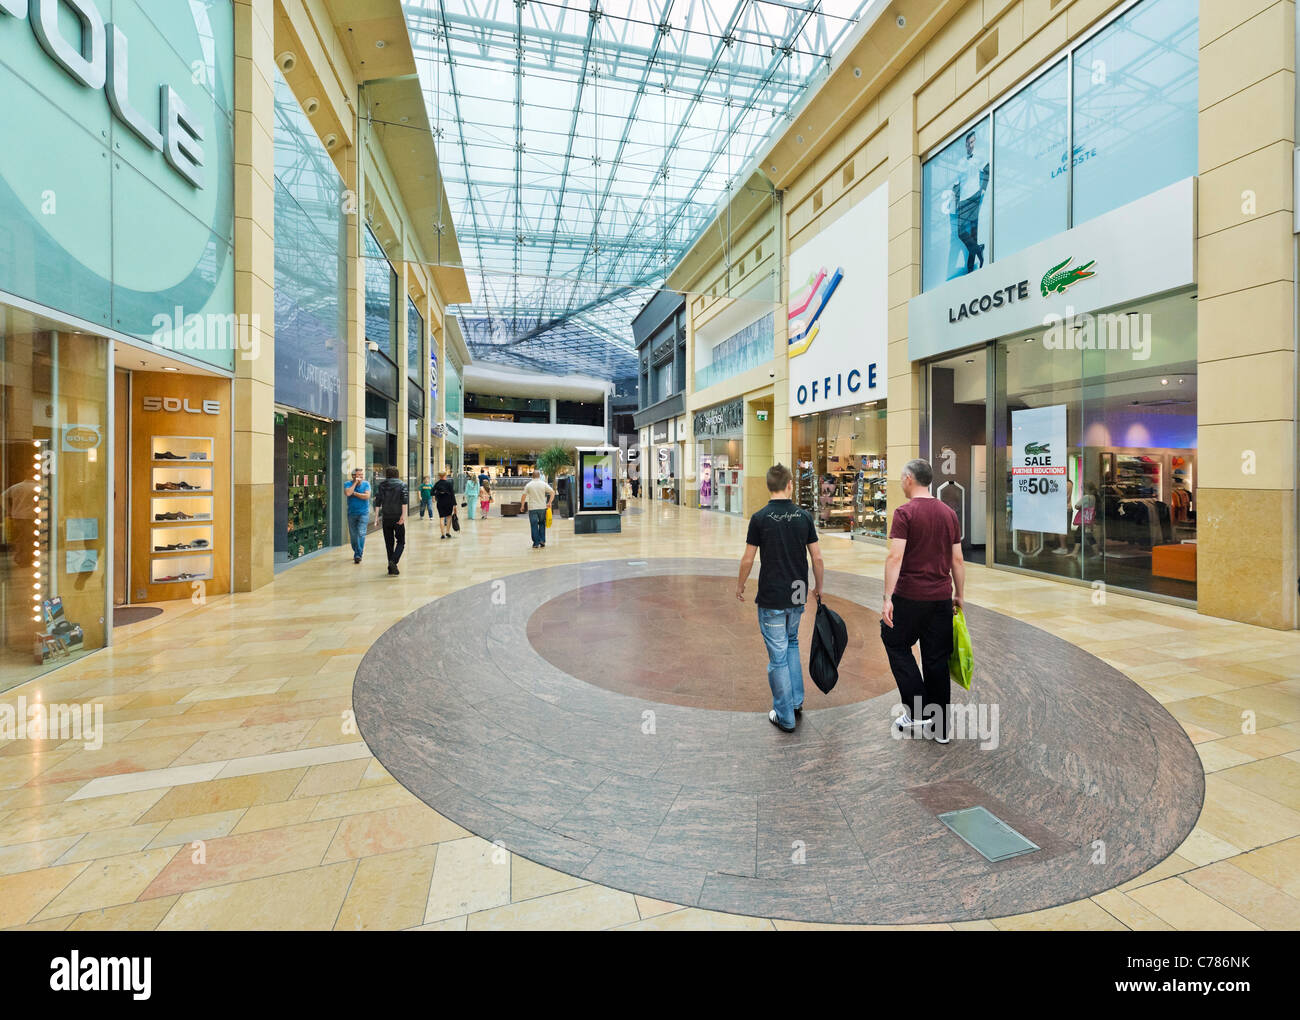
(596, 491)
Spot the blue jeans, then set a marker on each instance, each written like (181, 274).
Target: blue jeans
(780, 629)
(426, 503)
(537, 523)
(357, 532)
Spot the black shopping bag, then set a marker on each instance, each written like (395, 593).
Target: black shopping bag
(830, 638)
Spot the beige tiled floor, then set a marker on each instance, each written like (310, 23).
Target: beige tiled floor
(232, 790)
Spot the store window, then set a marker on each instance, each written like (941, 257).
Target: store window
(1097, 465)
(955, 183)
(526, 410)
(721, 475)
(1135, 106)
(1134, 123)
(580, 412)
(841, 474)
(381, 287)
(54, 495)
(1030, 142)
(414, 471)
(306, 463)
(310, 263)
(414, 341)
(381, 436)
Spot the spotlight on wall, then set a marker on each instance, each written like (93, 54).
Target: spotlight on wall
(330, 140)
(900, 21)
(287, 61)
(311, 105)
(857, 72)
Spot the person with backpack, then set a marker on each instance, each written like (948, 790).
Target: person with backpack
(391, 497)
(784, 534)
(925, 577)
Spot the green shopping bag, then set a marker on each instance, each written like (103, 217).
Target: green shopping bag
(961, 661)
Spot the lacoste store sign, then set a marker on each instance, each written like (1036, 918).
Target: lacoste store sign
(96, 56)
(1137, 251)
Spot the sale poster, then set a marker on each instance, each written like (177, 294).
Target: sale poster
(1039, 498)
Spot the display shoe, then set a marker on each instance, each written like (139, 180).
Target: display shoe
(187, 485)
(168, 455)
(200, 543)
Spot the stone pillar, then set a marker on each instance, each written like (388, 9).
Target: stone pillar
(253, 477)
(400, 356)
(354, 383)
(1246, 400)
(903, 425)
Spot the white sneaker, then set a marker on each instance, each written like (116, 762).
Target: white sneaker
(905, 723)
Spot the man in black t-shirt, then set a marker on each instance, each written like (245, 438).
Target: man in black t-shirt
(785, 534)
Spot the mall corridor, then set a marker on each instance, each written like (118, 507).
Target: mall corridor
(240, 745)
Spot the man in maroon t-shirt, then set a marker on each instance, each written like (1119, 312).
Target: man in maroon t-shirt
(922, 570)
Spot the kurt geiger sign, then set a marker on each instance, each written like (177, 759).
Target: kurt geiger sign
(96, 56)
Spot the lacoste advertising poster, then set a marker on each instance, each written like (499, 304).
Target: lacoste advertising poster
(836, 317)
(1038, 467)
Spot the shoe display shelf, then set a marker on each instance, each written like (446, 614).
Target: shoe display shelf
(176, 461)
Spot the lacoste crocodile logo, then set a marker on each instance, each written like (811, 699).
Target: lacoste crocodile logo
(1058, 278)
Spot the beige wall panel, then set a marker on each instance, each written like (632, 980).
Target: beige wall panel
(1256, 252)
(1246, 121)
(1245, 322)
(1247, 54)
(1257, 388)
(1225, 452)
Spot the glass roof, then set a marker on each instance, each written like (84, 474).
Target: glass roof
(585, 144)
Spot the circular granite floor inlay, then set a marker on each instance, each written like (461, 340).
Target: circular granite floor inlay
(717, 809)
(696, 643)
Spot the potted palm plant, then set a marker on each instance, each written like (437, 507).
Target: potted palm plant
(549, 463)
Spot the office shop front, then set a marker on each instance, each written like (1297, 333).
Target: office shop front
(117, 324)
(838, 388)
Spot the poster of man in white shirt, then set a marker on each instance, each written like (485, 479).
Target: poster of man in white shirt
(968, 199)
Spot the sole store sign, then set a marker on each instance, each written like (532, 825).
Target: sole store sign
(1039, 486)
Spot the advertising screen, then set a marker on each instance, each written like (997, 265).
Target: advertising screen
(596, 474)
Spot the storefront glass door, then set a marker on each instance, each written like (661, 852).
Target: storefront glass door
(958, 402)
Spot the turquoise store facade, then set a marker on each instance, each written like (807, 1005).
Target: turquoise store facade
(116, 262)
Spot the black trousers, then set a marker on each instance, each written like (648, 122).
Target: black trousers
(394, 540)
(931, 624)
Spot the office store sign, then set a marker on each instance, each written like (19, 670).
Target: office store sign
(837, 313)
(95, 53)
(1137, 251)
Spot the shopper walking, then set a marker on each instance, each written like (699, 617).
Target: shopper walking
(925, 577)
(444, 497)
(484, 496)
(782, 535)
(471, 497)
(537, 498)
(391, 496)
(358, 494)
(426, 498)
